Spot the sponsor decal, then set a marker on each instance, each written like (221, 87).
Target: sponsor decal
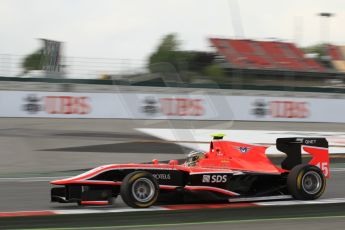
(182, 107)
(173, 106)
(67, 105)
(214, 178)
(310, 141)
(281, 109)
(260, 108)
(32, 104)
(162, 176)
(57, 104)
(219, 153)
(150, 106)
(242, 149)
(289, 109)
(206, 178)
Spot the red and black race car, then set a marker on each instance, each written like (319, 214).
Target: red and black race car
(228, 171)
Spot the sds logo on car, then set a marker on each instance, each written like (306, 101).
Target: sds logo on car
(214, 178)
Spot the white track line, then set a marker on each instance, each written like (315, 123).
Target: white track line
(301, 202)
(30, 179)
(159, 208)
(337, 169)
(112, 210)
(263, 198)
(166, 208)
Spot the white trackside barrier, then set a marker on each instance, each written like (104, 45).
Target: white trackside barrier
(169, 106)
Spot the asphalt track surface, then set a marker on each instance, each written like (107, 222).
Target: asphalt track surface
(34, 150)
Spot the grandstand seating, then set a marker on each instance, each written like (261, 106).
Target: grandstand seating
(243, 53)
(342, 49)
(273, 49)
(294, 50)
(242, 46)
(314, 65)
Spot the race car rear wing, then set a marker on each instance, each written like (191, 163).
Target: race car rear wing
(292, 147)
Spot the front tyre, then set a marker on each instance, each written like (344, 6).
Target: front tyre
(139, 190)
(306, 182)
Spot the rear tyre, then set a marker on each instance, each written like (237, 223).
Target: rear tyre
(306, 182)
(139, 190)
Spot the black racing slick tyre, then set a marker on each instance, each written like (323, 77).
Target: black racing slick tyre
(139, 189)
(306, 182)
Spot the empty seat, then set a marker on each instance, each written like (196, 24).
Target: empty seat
(242, 46)
(289, 63)
(342, 51)
(313, 65)
(334, 52)
(272, 49)
(298, 52)
(259, 61)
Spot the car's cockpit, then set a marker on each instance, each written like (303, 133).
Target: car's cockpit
(194, 157)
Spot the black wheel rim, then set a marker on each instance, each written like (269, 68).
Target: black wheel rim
(143, 190)
(311, 182)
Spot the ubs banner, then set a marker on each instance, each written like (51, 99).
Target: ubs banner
(58, 105)
(287, 109)
(183, 106)
(169, 106)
